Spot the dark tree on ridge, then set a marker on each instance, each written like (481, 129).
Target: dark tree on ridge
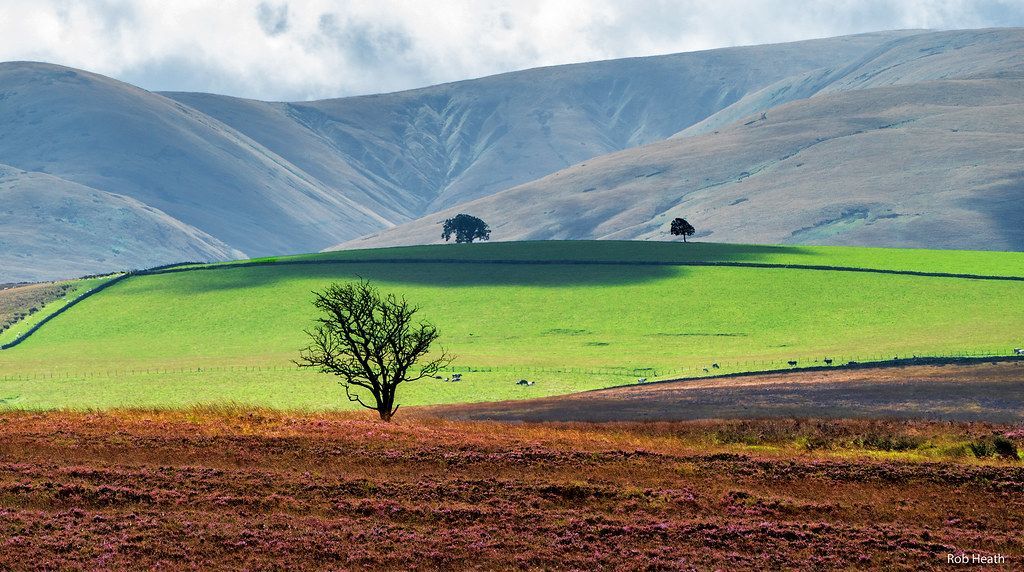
(370, 341)
(466, 228)
(682, 228)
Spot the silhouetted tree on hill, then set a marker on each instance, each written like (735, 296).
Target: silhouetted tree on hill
(370, 341)
(466, 228)
(682, 228)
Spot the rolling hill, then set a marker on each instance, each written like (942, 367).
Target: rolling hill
(908, 139)
(97, 229)
(918, 143)
(119, 139)
(568, 315)
(426, 149)
(257, 178)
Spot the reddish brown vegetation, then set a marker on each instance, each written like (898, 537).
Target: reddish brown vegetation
(259, 490)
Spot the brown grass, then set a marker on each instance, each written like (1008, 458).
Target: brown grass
(233, 487)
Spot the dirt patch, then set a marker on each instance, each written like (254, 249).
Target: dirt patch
(977, 392)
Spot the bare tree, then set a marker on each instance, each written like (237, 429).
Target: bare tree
(371, 343)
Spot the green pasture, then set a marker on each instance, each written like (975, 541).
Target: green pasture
(228, 334)
(78, 287)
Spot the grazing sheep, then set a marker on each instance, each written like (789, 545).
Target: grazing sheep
(1018, 351)
(456, 377)
(791, 363)
(524, 382)
(641, 380)
(714, 366)
(828, 361)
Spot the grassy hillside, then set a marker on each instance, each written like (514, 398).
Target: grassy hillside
(22, 307)
(229, 333)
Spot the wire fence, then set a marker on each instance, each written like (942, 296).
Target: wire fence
(651, 373)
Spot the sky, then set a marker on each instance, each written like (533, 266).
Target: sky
(309, 49)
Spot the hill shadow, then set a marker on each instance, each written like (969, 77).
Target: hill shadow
(422, 273)
(554, 264)
(1003, 206)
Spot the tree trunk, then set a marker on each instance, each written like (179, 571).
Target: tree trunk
(385, 415)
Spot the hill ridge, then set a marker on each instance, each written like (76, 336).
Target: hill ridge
(270, 178)
(903, 151)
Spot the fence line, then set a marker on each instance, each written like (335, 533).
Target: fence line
(21, 337)
(723, 367)
(94, 290)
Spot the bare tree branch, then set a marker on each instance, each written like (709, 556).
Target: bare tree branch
(370, 342)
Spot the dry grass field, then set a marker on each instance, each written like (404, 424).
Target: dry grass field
(237, 488)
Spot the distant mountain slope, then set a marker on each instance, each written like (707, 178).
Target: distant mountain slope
(269, 178)
(920, 143)
(258, 178)
(49, 223)
(117, 138)
(414, 152)
(963, 54)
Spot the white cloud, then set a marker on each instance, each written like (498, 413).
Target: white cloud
(276, 49)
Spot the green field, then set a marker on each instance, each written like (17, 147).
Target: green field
(78, 287)
(228, 333)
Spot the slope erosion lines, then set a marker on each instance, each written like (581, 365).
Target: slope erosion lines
(928, 147)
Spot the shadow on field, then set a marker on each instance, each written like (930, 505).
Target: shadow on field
(498, 264)
(981, 392)
(420, 274)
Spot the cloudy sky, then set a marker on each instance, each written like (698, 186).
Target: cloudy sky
(305, 49)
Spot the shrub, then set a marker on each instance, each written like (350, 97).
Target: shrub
(982, 447)
(889, 442)
(1005, 448)
(994, 445)
(816, 442)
